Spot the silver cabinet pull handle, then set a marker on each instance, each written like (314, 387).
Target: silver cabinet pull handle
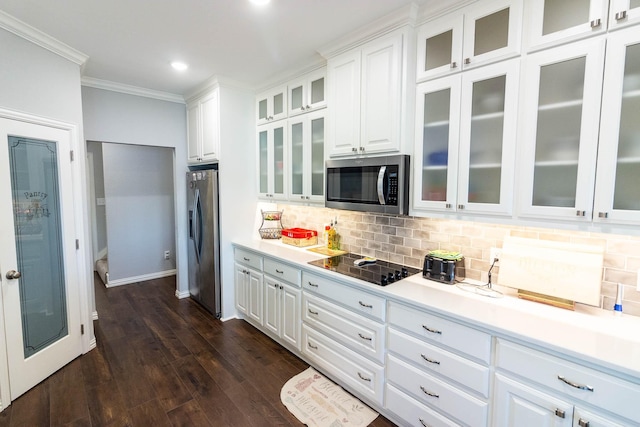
(279, 272)
(312, 346)
(559, 413)
(315, 313)
(595, 23)
(423, 423)
(428, 393)
(433, 331)
(575, 385)
(312, 284)
(364, 378)
(365, 305)
(620, 15)
(603, 214)
(435, 362)
(364, 338)
(246, 259)
(583, 423)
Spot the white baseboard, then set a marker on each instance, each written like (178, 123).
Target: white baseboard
(183, 294)
(93, 344)
(94, 315)
(102, 253)
(228, 318)
(136, 279)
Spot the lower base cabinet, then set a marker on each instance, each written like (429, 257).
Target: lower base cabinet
(282, 311)
(413, 412)
(360, 374)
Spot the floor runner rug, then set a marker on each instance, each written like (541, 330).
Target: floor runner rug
(317, 401)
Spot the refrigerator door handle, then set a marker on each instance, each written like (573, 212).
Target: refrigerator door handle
(197, 221)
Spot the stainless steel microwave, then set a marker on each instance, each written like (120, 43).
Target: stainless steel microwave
(372, 184)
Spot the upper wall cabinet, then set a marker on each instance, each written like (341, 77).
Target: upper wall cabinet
(306, 162)
(617, 196)
(272, 105)
(623, 13)
(307, 93)
(561, 97)
(203, 128)
(272, 161)
(365, 91)
(465, 151)
(477, 35)
(553, 21)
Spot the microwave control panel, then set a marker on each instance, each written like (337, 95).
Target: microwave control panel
(392, 189)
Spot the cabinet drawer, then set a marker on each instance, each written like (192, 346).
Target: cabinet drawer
(282, 271)
(435, 359)
(413, 412)
(360, 301)
(436, 393)
(362, 375)
(248, 258)
(361, 334)
(613, 394)
(437, 330)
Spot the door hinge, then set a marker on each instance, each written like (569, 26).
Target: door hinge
(82, 329)
(71, 155)
(77, 244)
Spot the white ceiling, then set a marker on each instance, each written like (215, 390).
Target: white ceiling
(133, 41)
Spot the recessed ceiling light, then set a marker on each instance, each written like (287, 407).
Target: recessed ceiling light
(180, 66)
(260, 2)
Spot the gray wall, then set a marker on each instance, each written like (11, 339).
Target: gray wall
(95, 148)
(138, 185)
(116, 117)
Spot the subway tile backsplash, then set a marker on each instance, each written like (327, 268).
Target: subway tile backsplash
(406, 240)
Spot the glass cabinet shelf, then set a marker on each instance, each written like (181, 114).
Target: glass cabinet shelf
(556, 163)
(434, 167)
(561, 105)
(436, 124)
(492, 165)
(629, 160)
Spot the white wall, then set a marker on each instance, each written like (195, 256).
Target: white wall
(116, 117)
(138, 185)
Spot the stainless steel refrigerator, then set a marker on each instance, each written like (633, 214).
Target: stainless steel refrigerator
(204, 239)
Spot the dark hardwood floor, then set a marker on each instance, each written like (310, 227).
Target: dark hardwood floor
(161, 361)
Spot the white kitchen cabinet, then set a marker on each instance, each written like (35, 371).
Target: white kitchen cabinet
(623, 13)
(486, 32)
(617, 194)
(465, 128)
(365, 91)
(551, 22)
(558, 135)
(412, 412)
(306, 157)
(307, 93)
(271, 105)
(203, 128)
(282, 301)
(248, 284)
(272, 160)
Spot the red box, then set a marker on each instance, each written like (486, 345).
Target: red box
(299, 236)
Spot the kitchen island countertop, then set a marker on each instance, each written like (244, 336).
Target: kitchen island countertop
(595, 336)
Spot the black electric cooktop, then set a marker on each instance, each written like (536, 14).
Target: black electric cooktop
(379, 273)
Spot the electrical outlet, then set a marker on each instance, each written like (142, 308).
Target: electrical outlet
(167, 254)
(493, 254)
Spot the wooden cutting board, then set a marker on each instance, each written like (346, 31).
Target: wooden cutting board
(563, 270)
(326, 251)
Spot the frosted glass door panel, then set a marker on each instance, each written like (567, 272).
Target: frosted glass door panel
(627, 188)
(297, 164)
(38, 231)
(563, 14)
(278, 160)
(262, 110)
(317, 91)
(439, 49)
(317, 157)
(558, 133)
(435, 144)
(264, 162)
(485, 154)
(278, 104)
(491, 32)
(634, 3)
(296, 97)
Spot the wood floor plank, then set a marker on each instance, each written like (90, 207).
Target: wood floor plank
(258, 410)
(106, 405)
(68, 398)
(188, 415)
(149, 414)
(32, 408)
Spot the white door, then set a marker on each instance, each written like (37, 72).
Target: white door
(39, 275)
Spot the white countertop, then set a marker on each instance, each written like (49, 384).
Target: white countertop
(611, 340)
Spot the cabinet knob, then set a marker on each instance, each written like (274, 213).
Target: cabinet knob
(454, 64)
(595, 23)
(361, 148)
(302, 197)
(467, 61)
(603, 215)
(581, 213)
(460, 207)
(354, 149)
(448, 206)
(559, 413)
(621, 15)
(583, 423)
(308, 107)
(302, 108)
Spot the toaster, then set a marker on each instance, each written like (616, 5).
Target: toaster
(443, 268)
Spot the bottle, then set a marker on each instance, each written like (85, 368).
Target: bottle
(325, 235)
(331, 237)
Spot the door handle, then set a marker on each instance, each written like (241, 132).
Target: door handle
(12, 274)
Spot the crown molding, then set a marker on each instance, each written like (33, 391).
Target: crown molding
(131, 90)
(212, 83)
(430, 11)
(405, 16)
(41, 39)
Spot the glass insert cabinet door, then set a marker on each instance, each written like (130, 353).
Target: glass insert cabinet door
(307, 148)
(271, 160)
(561, 119)
(618, 172)
(39, 276)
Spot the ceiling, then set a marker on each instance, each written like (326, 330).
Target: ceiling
(133, 42)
